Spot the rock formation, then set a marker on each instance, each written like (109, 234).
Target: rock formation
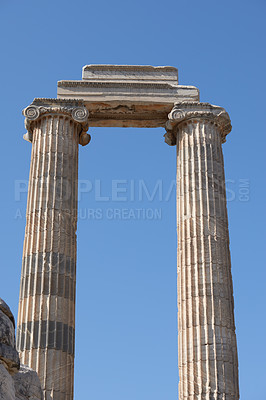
(17, 382)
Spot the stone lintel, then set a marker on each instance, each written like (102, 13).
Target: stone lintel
(126, 95)
(130, 73)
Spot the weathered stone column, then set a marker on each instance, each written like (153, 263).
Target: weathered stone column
(208, 366)
(46, 317)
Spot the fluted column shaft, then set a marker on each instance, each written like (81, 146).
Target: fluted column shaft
(46, 318)
(207, 352)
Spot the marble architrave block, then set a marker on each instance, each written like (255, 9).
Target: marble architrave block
(128, 95)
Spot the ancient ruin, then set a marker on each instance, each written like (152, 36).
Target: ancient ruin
(17, 381)
(128, 96)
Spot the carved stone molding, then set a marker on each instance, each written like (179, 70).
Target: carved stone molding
(44, 107)
(127, 95)
(185, 111)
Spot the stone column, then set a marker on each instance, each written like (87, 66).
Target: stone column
(46, 317)
(207, 351)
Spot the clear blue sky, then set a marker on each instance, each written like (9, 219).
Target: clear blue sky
(126, 344)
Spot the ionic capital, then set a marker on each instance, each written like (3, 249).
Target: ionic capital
(40, 108)
(183, 112)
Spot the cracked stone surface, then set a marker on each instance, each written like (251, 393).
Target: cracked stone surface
(27, 384)
(7, 387)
